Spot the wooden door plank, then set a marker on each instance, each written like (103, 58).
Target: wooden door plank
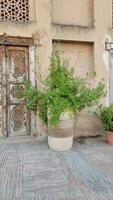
(17, 69)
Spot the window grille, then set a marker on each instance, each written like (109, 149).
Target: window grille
(15, 10)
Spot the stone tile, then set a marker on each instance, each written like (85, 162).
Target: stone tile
(31, 171)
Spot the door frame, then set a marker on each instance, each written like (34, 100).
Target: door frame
(109, 49)
(110, 76)
(22, 42)
(16, 41)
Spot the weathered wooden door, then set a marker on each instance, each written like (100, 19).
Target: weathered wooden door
(15, 67)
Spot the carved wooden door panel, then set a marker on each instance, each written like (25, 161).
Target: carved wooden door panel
(18, 119)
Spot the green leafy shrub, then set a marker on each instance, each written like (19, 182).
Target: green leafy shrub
(106, 115)
(61, 92)
(30, 95)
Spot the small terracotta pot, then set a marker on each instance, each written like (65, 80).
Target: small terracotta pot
(109, 137)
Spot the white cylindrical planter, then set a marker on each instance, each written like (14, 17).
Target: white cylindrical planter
(60, 144)
(60, 137)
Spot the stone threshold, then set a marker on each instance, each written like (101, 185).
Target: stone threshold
(20, 139)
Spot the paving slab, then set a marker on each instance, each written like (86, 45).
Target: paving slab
(31, 171)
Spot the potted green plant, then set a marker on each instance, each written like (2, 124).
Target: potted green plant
(106, 115)
(60, 100)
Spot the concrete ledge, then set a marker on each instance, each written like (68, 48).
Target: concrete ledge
(88, 124)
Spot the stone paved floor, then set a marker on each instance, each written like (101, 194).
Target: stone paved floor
(30, 171)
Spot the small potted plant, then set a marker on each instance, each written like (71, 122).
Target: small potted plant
(106, 115)
(60, 100)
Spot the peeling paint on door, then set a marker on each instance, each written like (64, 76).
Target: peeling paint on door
(14, 66)
(17, 69)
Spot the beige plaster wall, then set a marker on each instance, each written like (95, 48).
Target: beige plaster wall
(87, 125)
(39, 28)
(74, 12)
(41, 20)
(84, 26)
(79, 55)
(100, 33)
